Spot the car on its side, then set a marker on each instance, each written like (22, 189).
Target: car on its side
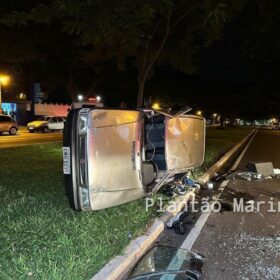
(8, 124)
(114, 156)
(46, 124)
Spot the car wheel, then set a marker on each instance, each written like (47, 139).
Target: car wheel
(13, 131)
(46, 130)
(31, 131)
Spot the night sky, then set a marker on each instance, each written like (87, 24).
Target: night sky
(228, 80)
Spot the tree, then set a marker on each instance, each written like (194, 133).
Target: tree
(260, 30)
(148, 32)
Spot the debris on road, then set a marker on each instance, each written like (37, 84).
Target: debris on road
(165, 262)
(250, 176)
(276, 171)
(210, 185)
(264, 168)
(177, 222)
(180, 222)
(179, 186)
(223, 176)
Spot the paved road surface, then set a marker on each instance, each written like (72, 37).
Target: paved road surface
(23, 138)
(243, 246)
(246, 245)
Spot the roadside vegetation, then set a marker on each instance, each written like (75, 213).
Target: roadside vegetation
(42, 238)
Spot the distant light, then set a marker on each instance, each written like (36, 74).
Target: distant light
(80, 97)
(156, 106)
(22, 95)
(4, 80)
(98, 98)
(199, 113)
(215, 115)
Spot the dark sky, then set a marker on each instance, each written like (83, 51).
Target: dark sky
(225, 75)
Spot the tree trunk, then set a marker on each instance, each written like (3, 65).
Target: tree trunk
(140, 95)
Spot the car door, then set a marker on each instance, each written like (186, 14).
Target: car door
(52, 123)
(185, 142)
(60, 123)
(5, 122)
(2, 123)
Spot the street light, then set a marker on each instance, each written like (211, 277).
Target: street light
(156, 106)
(80, 97)
(98, 98)
(199, 113)
(4, 80)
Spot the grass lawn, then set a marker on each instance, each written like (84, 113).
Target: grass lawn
(42, 238)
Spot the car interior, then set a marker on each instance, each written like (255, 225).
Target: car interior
(154, 149)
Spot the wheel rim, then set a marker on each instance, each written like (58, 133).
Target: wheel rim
(13, 131)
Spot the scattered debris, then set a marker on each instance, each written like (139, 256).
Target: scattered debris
(177, 222)
(210, 185)
(263, 168)
(165, 262)
(223, 176)
(276, 171)
(190, 183)
(250, 176)
(179, 186)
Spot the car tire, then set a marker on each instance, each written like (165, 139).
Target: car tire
(13, 130)
(46, 129)
(31, 131)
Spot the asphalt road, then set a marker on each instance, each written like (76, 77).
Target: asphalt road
(240, 245)
(24, 138)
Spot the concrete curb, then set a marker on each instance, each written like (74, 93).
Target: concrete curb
(118, 267)
(220, 163)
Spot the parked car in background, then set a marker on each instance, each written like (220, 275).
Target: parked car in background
(8, 124)
(46, 124)
(275, 126)
(115, 156)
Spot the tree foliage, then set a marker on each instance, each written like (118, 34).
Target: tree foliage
(147, 32)
(261, 29)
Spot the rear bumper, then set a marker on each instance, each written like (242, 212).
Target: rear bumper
(75, 162)
(69, 143)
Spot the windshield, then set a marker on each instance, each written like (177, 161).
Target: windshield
(168, 263)
(44, 118)
(168, 275)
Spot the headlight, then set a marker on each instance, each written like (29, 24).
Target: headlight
(83, 121)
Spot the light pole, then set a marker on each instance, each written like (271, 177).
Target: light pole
(4, 79)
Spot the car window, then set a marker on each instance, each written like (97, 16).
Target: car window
(5, 119)
(44, 118)
(60, 119)
(53, 120)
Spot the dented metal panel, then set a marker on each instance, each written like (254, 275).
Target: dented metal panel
(114, 163)
(185, 142)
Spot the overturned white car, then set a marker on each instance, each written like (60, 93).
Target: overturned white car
(115, 156)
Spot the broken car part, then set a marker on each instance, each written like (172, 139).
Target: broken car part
(164, 262)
